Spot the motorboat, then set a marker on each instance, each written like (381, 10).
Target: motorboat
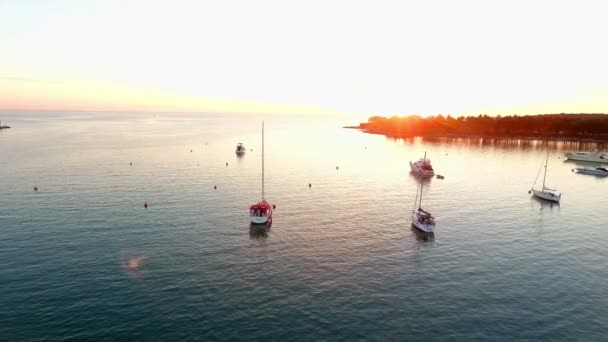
(598, 171)
(261, 212)
(421, 218)
(3, 126)
(545, 193)
(423, 167)
(595, 156)
(240, 149)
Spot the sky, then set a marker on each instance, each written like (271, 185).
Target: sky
(318, 57)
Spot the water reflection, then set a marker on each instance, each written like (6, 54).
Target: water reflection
(508, 143)
(421, 179)
(258, 232)
(582, 163)
(132, 265)
(422, 236)
(544, 204)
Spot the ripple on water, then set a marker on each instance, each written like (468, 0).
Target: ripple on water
(341, 261)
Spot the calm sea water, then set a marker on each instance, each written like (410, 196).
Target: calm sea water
(81, 259)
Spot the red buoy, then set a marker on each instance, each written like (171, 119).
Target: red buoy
(146, 205)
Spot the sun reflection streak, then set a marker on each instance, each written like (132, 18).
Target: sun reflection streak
(132, 265)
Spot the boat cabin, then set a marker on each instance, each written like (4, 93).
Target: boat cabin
(259, 210)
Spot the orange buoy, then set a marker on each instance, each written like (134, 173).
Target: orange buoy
(146, 205)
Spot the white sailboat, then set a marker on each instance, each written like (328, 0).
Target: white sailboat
(421, 218)
(423, 167)
(261, 212)
(545, 193)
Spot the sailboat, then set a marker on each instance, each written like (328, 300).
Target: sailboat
(421, 218)
(545, 193)
(261, 212)
(423, 167)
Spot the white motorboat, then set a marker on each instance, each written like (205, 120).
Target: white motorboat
(261, 212)
(545, 193)
(598, 171)
(423, 167)
(3, 126)
(421, 218)
(240, 149)
(595, 156)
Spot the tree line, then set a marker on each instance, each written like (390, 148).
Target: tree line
(581, 126)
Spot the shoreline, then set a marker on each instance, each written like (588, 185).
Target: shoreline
(483, 136)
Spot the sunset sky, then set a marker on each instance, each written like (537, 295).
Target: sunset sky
(358, 57)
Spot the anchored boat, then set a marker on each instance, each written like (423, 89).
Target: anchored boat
(545, 193)
(261, 212)
(423, 167)
(598, 171)
(421, 218)
(595, 156)
(240, 149)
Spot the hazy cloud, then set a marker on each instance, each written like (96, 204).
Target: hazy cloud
(24, 79)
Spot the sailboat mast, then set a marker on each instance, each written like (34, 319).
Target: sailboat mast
(420, 200)
(545, 177)
(420, 203)
(262, 160)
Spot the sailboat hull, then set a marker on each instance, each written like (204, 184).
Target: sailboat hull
(547, 195)
(418, 222)
(422, 169)
(263, 220)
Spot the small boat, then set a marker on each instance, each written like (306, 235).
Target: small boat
(3, 126)
(598, 171)
(545, 193)
(595, 156)
(423, 167)
(261, 212)
(421, 218)
(240, 149)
